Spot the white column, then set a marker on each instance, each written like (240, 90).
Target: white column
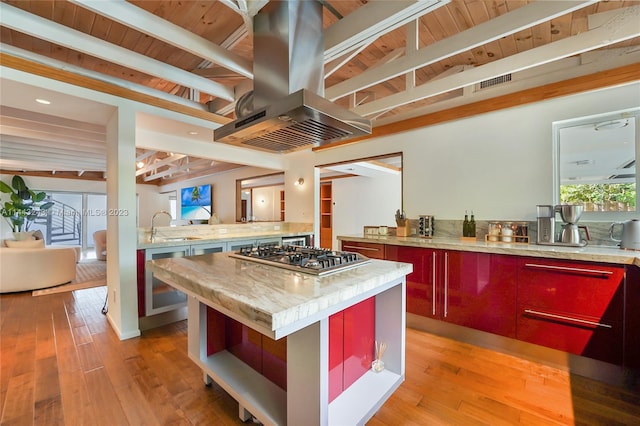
(308, 375)
(121, 224)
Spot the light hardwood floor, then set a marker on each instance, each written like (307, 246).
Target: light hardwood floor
(61, 364)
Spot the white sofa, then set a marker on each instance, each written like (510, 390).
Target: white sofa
(23, 269)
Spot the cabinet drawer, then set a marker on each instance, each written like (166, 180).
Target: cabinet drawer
(579, 335)
(575, 307)
(371, 250)
(575, 288)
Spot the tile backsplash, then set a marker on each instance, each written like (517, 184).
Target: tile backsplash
(599, 231)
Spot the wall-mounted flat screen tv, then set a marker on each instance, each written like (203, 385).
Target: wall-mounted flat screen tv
(196, 202)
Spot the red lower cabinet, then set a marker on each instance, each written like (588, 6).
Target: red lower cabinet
(351, 345)
(370, 250)
(422, 282)
(632, 319)
(576, 307)
(480, 291)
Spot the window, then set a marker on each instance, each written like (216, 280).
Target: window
(596, 163)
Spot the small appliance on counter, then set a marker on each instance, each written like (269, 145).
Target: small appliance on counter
(570, 234)
(426, 226)
(630, 239)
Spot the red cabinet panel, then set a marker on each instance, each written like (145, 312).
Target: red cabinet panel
(480, 291)
(573, 287)
(274, 360)
(216, 331)
(244, 343)
(336, 355)
(140, 268)
(351, 345)
(359, 336)
(575, 307)
(370, 250)
(632, 318)
(422, 282)
(263, 354)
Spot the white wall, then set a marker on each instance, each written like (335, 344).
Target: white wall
(150, 200)
(360, 201)
(266, 203)
(498, 164)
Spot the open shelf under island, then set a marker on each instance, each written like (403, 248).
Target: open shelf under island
(294, 348)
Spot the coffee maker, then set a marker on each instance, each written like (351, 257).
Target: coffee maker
(546, 224)
(570, 234)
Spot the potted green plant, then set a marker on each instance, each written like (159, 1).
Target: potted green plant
(24, 206)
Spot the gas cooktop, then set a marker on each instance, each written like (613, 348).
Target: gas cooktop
(310, 260)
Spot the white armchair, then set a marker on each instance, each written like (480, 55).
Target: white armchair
(100, 242)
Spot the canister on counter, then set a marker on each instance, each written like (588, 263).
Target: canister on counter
(506, 232)
(494, 231)
(521, 231)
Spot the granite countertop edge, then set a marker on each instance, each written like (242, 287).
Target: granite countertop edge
(272, 297)
(218, 239)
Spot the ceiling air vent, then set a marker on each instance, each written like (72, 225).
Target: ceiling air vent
(494, 81)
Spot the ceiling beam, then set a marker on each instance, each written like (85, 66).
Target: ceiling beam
(494, 29)
(153, 166)
(623, 27)
(371, 21)
(35, 26)
(203, 162)
(135, 17)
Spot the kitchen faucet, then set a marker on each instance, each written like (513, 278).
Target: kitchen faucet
(154, 230)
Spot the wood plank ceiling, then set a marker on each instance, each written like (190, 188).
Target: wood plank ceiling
(385, 60)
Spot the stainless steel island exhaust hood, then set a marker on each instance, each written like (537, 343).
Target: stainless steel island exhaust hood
(286, 110)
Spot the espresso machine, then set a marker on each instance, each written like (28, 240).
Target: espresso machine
(570, 233)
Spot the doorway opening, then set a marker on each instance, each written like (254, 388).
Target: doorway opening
(358, 193)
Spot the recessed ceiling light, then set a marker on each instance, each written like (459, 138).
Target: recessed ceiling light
(43, 101)
(193, 132)
(140, 164)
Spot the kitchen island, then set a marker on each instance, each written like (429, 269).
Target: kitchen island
(313, 316)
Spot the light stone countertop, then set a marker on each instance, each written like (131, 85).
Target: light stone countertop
(171, 241)
(605, 254)
(273, 300)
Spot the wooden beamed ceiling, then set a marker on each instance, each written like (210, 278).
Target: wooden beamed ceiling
(392, 62)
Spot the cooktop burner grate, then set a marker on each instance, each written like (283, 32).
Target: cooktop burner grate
(311, 260)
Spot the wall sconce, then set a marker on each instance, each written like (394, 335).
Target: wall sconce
(299, 182)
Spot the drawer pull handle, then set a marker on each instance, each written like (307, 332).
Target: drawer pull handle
(581, 321)
(433, 284)
(361, 248)
(446, 284)
(566, 268)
